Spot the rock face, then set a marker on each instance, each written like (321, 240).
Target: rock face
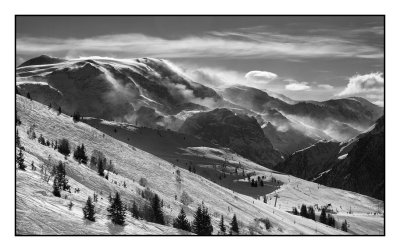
(363, 169)
(311, 161)
(237, 131)
(357, 165)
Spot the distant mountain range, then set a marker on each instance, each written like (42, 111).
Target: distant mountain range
(155, 93)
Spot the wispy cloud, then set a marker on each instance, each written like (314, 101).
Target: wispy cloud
(229, 44)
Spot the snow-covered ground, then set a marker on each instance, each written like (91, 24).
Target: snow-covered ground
(39, 212)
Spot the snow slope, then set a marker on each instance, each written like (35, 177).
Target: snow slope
(39, 212)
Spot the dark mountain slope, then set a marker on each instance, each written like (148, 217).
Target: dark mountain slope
(237, 131)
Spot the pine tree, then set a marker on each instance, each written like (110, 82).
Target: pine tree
(202, 221)
(28, 95)
(117, 210)
(63, 147)
(331, 221)
(157, 211)
(311, 213)
(222, 227)
(135, 210)
(20, 160)
(56, 187)
(344, 226)
(88, 210)
(100, 168)
(17, 139)
(303, 211)
(59, 110)
(41, 140)
(60, 175)
(322, 217)
(295, 211)
(181, 222)
(234, 225)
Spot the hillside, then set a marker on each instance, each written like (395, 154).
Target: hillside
(357, 165)
(239, 132)
(39, 212)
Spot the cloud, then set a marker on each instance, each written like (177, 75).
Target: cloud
(214, 77)
(325, 86)
(297, 86)
(371, 83)
(238, 44)
(260, 76)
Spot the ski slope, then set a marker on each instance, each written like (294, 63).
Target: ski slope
(39, 212)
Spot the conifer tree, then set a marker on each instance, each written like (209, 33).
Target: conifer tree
(222, 227)
(28, 95)
(100, 168)
(63, 147)
(157, 210)
(202, 221)
(59, 110)
(60, 175)
(117, 210)
(310, 213)
(234, 225)
(303, 211)
(88, 210)
(181, 222)
(17, 139)
(344, 226)
(331, 221)
(135, 210)
(56, 187)
(322, 217)
(21, 161)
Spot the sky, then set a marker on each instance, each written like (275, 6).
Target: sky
(302, 57)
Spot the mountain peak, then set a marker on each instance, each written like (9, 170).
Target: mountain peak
(42, 60)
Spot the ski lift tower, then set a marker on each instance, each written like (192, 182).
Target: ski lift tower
(276, 198)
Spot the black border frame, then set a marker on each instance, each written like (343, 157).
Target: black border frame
(227, 15)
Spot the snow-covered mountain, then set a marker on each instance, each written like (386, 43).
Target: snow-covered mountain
(155, 93)
(39, 212)
(356, 165)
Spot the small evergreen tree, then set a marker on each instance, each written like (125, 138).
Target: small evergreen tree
(344, 226)
(157, 210)
(100, 168)
(303, 211)
(322, 217)
(331, 221)
(117, 210)
(181, 222)
(17, 139)
(59, 110)
(311, 213)
(222, 227)
(63, 147)
(234, 225)
(20, 160)
(28, 95)
(80, 155)
(88, 210)
(202, 222)
(295, 211)
(76, 117)
(41, 140)
(56, 188)
(135, 210)
(60, 175)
